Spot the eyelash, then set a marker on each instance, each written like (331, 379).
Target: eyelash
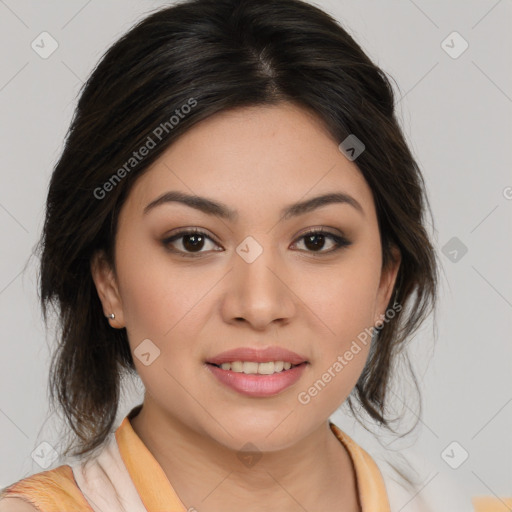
(340, 241)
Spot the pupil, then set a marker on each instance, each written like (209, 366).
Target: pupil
(317, 245)
(193, 245)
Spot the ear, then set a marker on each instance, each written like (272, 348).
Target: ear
(108, 291)
(386, 285)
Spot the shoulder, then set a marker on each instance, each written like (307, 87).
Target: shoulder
(16, 505)
(48, 491)
(405, 475)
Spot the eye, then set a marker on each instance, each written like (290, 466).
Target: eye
(315, 241)
(191, 242)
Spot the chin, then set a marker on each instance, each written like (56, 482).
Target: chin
(270, 432)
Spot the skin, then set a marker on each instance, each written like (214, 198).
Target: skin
(256, 160)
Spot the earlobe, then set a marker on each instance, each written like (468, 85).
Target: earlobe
(107, 289)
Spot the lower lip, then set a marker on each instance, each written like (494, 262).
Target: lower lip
(258, 386)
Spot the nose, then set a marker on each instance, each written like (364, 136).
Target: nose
(259, 292)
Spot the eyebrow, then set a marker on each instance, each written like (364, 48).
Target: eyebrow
(211, 207)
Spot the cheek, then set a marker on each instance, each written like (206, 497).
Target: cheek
(345, 311)
(351, 309)
(343, 298)
(156, 297)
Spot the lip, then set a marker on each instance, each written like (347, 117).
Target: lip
(258, 355)
(258, 386)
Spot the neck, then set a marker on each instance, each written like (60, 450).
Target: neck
(315, 473)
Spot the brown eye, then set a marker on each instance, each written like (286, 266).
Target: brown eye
(193, 242)
(187, 242)
(315, 241)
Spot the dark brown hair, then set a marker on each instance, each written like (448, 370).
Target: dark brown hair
(215, 55)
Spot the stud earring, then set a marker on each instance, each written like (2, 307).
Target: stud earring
(111, 316)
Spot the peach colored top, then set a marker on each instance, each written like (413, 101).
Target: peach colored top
(125, 477)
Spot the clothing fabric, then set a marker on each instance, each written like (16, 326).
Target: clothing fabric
(124, 476)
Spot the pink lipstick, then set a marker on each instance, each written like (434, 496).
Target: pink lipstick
(257, 372)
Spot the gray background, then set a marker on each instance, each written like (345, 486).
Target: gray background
(456, 113)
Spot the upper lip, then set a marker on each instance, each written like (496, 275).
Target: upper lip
(258, 355)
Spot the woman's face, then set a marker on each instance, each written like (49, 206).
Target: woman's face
(251, 280)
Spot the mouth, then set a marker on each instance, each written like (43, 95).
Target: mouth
(257, 368)
(257, 373)
(271, 358)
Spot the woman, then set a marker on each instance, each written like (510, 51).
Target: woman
(237, 219)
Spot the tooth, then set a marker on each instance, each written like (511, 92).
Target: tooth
(266, 368)
(250, 367)
(237, 366)
(278, 366)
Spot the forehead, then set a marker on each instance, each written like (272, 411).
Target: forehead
(253, 158)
